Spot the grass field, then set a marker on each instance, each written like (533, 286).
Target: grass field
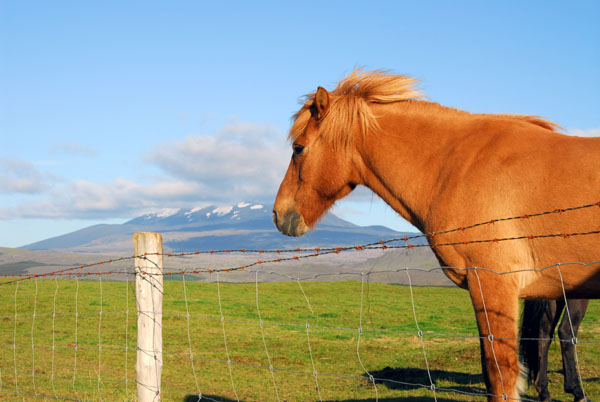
(389, 347)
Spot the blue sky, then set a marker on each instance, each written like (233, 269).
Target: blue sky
(112, 109)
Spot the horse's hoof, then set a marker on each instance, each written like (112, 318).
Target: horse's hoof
(585, 399)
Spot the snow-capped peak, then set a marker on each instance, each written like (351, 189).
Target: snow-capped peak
(222, 210)
(194, 210)
(166, 212)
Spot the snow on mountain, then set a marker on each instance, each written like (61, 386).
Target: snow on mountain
(222, 210)
(196, 213)
(166, 212)
(243, 213)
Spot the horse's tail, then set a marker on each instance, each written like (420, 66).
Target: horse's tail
(530, 331)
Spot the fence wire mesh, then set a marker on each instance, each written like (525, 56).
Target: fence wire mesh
(248, 331)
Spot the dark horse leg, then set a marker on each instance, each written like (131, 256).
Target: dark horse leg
(577, 309)
(540, 318)
(547, 326)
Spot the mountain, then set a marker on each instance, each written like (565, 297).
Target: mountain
(243, 225)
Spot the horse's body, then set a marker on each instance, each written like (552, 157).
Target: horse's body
(540, 318)
(441, 168)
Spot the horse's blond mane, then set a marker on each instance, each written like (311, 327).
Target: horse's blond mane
(429, 107)
(350, 104)
(538, 121)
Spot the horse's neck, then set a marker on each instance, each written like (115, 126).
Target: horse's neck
(402, 163)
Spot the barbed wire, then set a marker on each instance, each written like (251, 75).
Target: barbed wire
(318, 251)
(170, 271)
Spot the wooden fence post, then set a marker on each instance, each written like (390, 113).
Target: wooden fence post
(149, 296)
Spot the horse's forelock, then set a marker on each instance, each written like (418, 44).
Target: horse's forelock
(350, 105)
(300, 121)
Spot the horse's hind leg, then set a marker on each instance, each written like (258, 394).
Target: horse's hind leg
(496, 304)
(548, 321)
(577, 309)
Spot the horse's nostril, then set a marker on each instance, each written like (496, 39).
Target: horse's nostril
(275, 217)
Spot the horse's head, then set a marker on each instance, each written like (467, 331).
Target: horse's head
(327, 134)
(319, 173)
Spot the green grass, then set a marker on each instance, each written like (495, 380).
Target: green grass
(389, 345)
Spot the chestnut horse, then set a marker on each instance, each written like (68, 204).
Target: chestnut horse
(442, 168)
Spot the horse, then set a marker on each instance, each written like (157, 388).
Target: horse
(442, 168)
(539, 320)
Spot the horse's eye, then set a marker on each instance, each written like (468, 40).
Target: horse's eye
(298, 149)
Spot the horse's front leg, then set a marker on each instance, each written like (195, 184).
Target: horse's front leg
(496, 304)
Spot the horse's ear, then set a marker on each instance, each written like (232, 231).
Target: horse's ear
(321, 102)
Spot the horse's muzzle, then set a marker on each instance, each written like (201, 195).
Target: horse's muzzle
(290, 224)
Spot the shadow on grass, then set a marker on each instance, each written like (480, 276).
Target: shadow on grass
(194, 398)
(562, 373)
(405, 379)
(402, 399)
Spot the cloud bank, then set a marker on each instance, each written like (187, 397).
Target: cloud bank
(243, 161)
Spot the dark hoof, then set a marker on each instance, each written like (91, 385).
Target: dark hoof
(586, 399)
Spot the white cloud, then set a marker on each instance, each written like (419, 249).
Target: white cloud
(243, 161)
(120, 198)
(19, 176)
(590, 132)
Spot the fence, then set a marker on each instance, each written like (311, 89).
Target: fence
(242, 337)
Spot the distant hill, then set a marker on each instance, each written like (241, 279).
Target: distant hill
(238, 226)
(243, 225)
